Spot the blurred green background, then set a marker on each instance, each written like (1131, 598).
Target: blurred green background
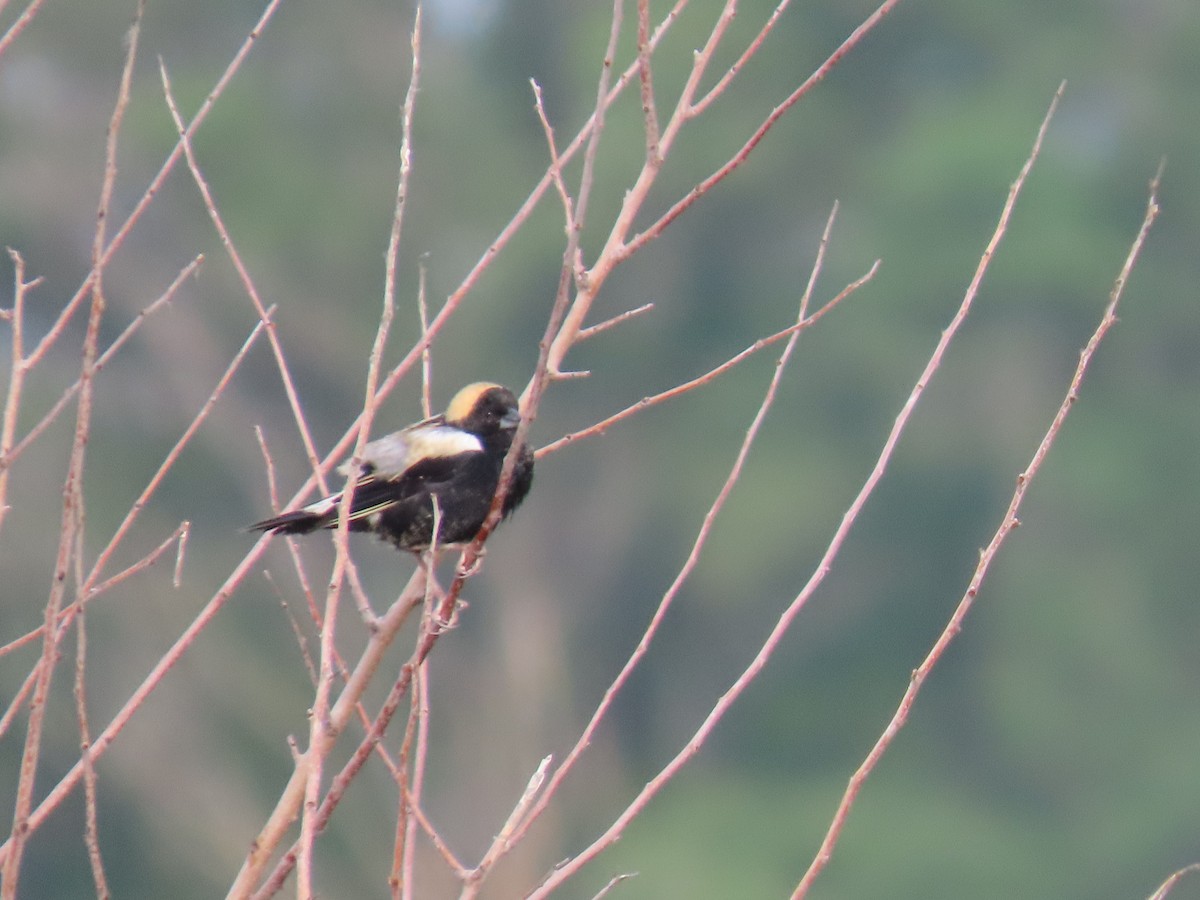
(1053, 754)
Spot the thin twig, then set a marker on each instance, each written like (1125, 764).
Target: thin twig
(427, 353)
(646, 78)
(555, 163)
(761, 344)
(1169, 885)
(297, 631)
(698, 107)
(600, 327)
(604, 97)
(174, 539)
(16, 377)
(639, 241)
(413, 757)
(91, 830)
(8, 457)
(509, 833)
(264, 315)
(400, 875)
(23, 21)
(612, 883)
(172, 456)
(160, 178)
(435, 838)
(185, 528)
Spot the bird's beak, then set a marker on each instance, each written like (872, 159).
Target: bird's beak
(511, 419)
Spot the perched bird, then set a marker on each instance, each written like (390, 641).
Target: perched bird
(455, 457)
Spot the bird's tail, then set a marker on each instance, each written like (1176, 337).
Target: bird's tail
(300, 521)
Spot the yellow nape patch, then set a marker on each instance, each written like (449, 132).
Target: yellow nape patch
(464, 401)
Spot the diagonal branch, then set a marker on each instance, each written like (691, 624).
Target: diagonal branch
(986, 557)
(783, 624)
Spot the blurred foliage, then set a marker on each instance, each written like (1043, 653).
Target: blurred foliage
(1053, 752)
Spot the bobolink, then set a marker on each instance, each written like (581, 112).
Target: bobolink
(455, 457)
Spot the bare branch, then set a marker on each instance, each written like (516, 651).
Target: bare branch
(555, 162)
(567, 869)
(289, 804)
(20, 24)
(160, 178)
(701, 380)
(645, 76)
(435, 838)
(69, 546)
(69, 781)
(600, 327)
(1009, 522)
(239, 266)
(427, 353)
(173, 455)
(766, 651)
(595, 127)
(509, 834)
(1169, 885)
(16, 378)
(639, 241)
(7, 458)
(613, 882)
(700, 60)
(91, 830)
(698, 107)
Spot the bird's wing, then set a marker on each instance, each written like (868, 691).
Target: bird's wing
(399, 465)
(389, 458)
(393, 469)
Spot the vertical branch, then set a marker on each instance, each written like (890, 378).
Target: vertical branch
(587, 176)
(322, 734)
(426, 353)
(70, 544)
(413, 755)
(91, 832)
(289, 803)
(645, 76)
(16, 377)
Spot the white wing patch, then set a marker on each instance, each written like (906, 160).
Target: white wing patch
(325, 505)
(390, 456)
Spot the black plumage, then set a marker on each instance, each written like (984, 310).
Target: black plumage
(456, 457)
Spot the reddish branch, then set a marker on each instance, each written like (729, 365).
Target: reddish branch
(1008, 522)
